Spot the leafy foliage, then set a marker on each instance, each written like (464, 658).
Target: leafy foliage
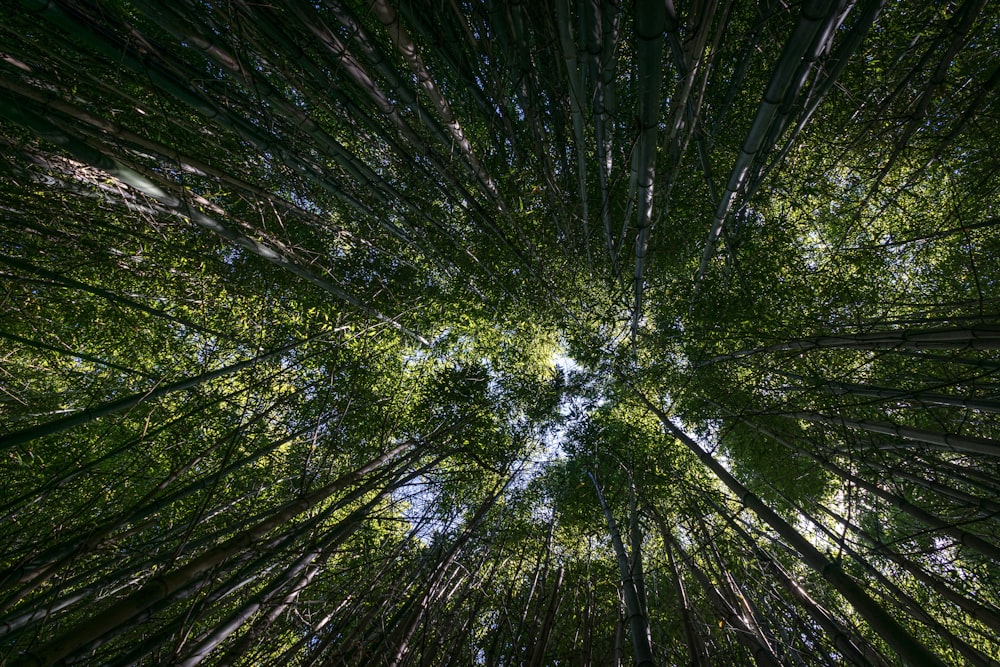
(499, 333)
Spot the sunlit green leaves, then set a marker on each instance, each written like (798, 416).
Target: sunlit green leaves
(196, 185)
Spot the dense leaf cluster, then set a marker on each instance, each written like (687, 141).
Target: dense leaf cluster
(558, 332)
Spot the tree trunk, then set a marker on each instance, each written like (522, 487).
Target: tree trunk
(884, 624)
(973, 338)
(937, 440)
(160, 587)
(121, 404)
(697, 649)
(638, 623)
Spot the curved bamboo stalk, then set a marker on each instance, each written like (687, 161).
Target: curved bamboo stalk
(945, 441)
(986, 337)
(697, 649)
(160, 587)
(303, 569)
(434, 588)
(905, 600)
(637, 618)
(650, 24)
(406, 47)
(42, 565)
(894, 634)
(112, 297)
(575, 83)
(949, 528)
(74, 354)
(815, 15)
(833, 67)
(890, 394)
(985, 614)
(119, 405)
(990, 509)
(762, 654)
(182, 206)
(846, 641)
(38, 493)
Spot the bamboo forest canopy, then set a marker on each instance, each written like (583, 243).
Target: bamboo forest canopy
(449, 332)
